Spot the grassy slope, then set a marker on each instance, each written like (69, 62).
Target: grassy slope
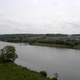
(15, 72)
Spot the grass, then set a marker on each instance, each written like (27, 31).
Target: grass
(9, 71)
(52, 45)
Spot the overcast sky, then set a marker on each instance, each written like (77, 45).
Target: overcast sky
(40, 16)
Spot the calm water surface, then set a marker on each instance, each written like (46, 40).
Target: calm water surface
(64, 61)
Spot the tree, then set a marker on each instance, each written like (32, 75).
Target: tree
(8, 54)
(43, 73)
(54, 78)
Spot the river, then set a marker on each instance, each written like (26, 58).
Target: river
(66, 62)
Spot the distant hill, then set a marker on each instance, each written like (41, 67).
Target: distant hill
(56, 40)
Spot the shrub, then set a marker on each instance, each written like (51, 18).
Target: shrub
(8, 54)
(43, 73)
(54, 78)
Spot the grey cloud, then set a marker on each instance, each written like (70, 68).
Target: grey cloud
(40, 16)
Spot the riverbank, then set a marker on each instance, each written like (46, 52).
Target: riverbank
(48, 45)
(56, 45)
(51, 40)
(9, 71)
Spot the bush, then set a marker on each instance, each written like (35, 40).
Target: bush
(8, 54)
(54, 78)
(43, 73)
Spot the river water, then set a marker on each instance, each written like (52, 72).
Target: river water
(66, 62)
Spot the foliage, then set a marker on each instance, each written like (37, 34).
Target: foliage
(8, 54)
(43, 73)
(54, 78)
